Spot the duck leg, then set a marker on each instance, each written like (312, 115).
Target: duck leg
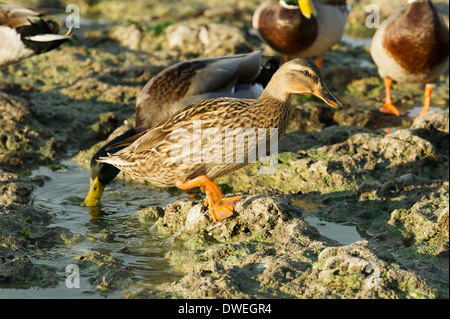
(219, 207)
(428, 91)
(388, 107)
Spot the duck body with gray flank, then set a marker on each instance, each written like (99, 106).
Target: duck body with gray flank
(150, 154)
(412, 46)
(301, 28)
(180, 85)
(24, 33)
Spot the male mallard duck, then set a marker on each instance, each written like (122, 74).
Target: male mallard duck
(23, 33)
(154, 155)
(177, 86)
(411, 45)
(301, 28)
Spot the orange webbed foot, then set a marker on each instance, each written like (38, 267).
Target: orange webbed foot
(224, 209)
(391, 109)
(388, 107)
(220, 208)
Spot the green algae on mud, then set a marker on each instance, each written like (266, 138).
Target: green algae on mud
(403, 208)
(283, 258)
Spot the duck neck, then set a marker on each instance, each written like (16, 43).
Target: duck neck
(278, 97)
(276, 90)
(273, 112)
(278, 105)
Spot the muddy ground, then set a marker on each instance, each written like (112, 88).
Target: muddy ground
(340, 165)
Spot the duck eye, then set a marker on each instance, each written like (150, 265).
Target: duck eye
(306, 73)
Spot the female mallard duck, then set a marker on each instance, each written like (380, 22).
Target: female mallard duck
(177, 86)
(301, 28)
(23, 33)
(158, 156)
(411, 45)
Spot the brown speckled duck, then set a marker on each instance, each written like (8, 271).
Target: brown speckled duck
(182, 84)
(204, 78)
(153, 155)
(411, 46)
(301, 28)
(24, 33)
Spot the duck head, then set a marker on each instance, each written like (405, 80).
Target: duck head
(102, 173)
(300, 76)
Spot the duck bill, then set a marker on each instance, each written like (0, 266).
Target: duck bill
(69, 32)
(307, 8)
(322, 92)
(95, 192)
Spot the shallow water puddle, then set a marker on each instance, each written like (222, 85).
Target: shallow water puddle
(344, 233)
(60, 292)
(115, 227)
(414, 111)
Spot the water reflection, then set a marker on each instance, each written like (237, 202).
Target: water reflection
(113, 228)
(344, 233)
(414, 112)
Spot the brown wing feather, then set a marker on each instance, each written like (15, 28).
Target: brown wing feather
(181, 83)
(204, 110)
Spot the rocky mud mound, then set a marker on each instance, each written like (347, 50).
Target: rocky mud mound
(268, 250)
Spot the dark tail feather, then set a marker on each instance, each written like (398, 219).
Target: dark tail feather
(125, 142)
(112, 146)
(269, 67)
